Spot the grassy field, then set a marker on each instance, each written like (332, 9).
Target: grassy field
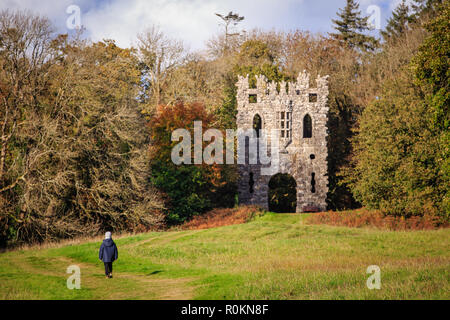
(277, 256)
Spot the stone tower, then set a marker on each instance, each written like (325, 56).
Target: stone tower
(299, 113)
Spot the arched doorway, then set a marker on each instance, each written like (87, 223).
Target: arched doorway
(282, 193)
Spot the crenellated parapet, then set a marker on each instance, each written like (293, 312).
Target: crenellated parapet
(299, 91)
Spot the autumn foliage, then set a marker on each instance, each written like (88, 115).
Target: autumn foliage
(223, 217)
(372, 218)
(190, 189)
(85, 127)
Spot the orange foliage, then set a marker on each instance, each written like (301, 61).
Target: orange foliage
(223, 217)
(371, 218)
(169, 118)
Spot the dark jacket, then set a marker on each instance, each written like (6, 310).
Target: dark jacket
(108, 251)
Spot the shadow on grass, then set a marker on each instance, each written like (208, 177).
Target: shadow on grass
(155, 272)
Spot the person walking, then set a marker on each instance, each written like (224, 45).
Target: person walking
(108, 254)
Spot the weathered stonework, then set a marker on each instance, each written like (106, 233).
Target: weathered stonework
(300, 157)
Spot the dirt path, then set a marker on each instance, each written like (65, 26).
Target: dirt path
(137, 286)
(171, 236)
(122, 286)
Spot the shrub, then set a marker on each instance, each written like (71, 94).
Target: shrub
(223, 217)
(372, 218)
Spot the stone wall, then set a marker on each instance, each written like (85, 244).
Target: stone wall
(300, 157)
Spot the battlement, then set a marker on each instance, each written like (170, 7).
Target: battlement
(299, 91)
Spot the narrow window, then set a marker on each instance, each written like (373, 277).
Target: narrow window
(252, 98)
(312, 156)
(307, 127)
(298, 92)
(313, 182)
(251, 182)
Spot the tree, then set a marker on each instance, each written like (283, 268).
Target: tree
(73, 139)
(24, 76)
(190, 189)
(229, 21)
(426, 9)
(351, 26)
(253, 58)
(398, 23)
(100, 143)
(395, 154)
(158, 56)
(432, 66)
(401, 161)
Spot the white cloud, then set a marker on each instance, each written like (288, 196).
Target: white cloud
(192, 21)
(55, 10)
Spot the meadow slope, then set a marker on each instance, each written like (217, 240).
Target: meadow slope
(276, 256)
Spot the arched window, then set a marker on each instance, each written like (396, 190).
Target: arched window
(257, 124)
(307, 127)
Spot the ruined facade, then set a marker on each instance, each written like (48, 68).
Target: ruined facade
(299, 113)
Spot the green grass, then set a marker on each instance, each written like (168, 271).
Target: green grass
(274, 257)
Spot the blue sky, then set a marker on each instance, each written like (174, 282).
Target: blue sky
(192, 21)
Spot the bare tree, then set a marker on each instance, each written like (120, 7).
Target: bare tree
(25, 58)
(158, 55)
(73, 157)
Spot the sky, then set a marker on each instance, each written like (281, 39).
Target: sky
(192, 21)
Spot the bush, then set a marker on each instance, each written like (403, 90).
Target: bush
(223, 217)
(372, 218)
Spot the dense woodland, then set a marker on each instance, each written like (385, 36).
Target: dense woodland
(86, 127)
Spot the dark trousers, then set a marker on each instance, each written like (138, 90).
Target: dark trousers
(108, 268)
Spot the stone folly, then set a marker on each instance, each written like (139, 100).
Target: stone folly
(299, 114)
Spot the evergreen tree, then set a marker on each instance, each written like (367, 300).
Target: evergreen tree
(398, 23)
(351, 26)
(401, 159)
(426, 8)
(432, 66)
